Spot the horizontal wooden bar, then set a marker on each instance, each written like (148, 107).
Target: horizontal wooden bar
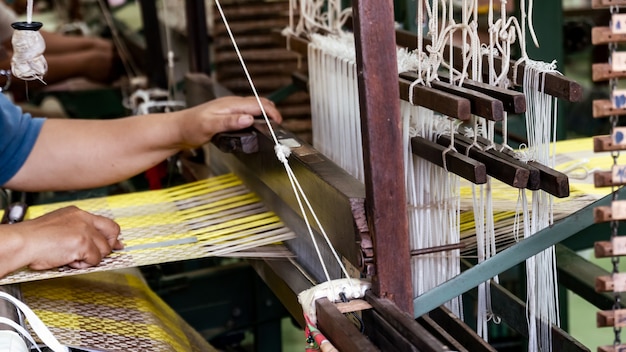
(605, 179)
(612, 348)
(605, 144)
(604, 35)
(555, 85)
(457, 163)
(354, 305)
(550, 180)
(604, 284)
(611, 283)
(298, 45)
(436, 100)
(511, 174)
(534, 174)
(611, 318)
(482, 104)
(602, 214)
(615, 247)
(605, 4)
(461, 332)
(603, 249)
(604, 108)
(404, 324)
(339, 330)
(514, 102)
(604, 72)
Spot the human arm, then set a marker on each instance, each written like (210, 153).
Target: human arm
(75, 154)
(67, 236)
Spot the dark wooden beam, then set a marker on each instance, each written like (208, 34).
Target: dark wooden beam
(514, 102)
(511, 174)
(382, 149)
(338, 329)
(439, 101)
(534, 174)
(456, 163)
(550, 180)
(481, 104)
(402, 323)
(555, 84)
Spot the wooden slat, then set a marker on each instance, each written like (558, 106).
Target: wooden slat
(604, 72)
(481, 104)
(602, 214)
(615, 247)
(611, 348)
(534, 174)
(456, 163)
(513, 175)
(436, 100)
(404, 324)
(354, 305)
(339, 330)
(550, 180)
(461, 332)
(605, 144)
(615, 177)
(514, 102)
(604, 35)
(603, 249)
(604, 284)
(609, 283)
(555, 85)
(605, 4)
(604, 108)
(611, 318)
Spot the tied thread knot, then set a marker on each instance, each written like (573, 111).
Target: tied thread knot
(282, 152)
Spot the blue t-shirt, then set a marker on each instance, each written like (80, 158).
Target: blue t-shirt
(18, 133)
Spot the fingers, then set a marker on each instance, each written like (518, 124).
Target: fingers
(110, 230)
(73, 237)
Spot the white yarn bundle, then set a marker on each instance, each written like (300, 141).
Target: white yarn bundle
(28, 62)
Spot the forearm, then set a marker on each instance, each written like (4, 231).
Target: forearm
(12, 251)
(77, 154)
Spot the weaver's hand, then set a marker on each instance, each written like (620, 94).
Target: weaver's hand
(68, 236)
(202, 122)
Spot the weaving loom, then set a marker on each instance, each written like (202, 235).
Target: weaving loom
(354, 206)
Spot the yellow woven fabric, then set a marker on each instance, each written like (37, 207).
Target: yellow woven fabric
(218, 216)
(110, 311)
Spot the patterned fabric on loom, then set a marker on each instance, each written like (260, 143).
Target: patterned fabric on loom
(112, 311)
(213, 217)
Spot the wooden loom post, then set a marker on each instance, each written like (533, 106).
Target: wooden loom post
(382, 149)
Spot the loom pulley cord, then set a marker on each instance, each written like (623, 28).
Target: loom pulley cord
(353, 288)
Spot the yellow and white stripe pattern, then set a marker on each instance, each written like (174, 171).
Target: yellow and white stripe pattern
(218, 216)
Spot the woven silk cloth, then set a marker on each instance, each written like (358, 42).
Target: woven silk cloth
(218, 216)
(110, 311)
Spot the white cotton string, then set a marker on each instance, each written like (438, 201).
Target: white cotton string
(282, 154)
(36, 324)
(433, 204)
(542, 299)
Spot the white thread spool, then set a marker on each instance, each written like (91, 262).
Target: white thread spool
(28, 62)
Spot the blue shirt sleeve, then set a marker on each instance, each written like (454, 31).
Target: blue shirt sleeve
(18, 133)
